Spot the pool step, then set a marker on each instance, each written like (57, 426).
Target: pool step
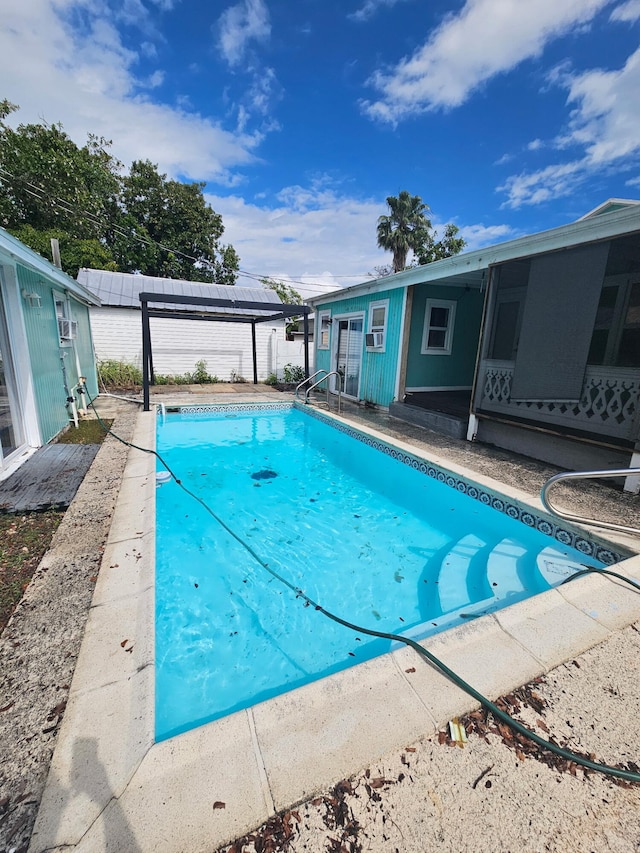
(473, 569)
(454, 571)
(503, 566)
(556, 567)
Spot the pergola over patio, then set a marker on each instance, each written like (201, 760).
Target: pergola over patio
(253, 312)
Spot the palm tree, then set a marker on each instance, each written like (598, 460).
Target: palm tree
(405, 228)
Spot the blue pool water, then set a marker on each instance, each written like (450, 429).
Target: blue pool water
(378, 542)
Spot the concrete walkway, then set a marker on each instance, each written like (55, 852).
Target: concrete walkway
(111, 787)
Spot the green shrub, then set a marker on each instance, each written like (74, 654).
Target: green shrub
(293, 373)
(271, 379)
(199, 375)
(119, 374)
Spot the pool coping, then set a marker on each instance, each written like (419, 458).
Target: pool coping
(110, 787)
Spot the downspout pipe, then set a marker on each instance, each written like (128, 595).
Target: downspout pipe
(70, 400)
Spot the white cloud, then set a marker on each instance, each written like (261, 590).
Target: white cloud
(627, 12)
(369, 9)
(486, 38)
(156, 79)
(240, 25)
(478, 236)
(311, 234)
(264, 91)
(86, 80)
(318, 236)
(604, 126)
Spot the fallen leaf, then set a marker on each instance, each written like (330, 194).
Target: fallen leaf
(219, 805)
(411, 669)
(124, 643)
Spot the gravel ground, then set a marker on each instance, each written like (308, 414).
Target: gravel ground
(429, 797)
(488, 797)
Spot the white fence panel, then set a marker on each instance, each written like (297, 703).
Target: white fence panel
(177, 345)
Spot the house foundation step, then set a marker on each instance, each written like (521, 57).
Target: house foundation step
(451, 425)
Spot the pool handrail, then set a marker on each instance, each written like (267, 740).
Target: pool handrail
(586, 475)
(322, 379)
(308, 379)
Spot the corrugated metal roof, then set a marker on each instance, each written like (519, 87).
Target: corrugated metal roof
(122, 290)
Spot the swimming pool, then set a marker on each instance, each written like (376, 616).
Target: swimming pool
(376, 535)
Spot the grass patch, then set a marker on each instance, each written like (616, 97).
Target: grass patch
(23, 541)
(89, 431)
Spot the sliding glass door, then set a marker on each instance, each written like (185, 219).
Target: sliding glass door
(348, 360)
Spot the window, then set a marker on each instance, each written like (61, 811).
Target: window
(616, 334)
(324, 323)
(377, 331)
(67, 328)
(507, 322)
(439, 318)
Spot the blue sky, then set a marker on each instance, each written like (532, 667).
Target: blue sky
(507, 117)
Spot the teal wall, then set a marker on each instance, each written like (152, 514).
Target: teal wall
(44, 352)
(379, 369)
(445, 370)
(84, 346)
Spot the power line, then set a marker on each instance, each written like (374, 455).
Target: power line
(42, 195)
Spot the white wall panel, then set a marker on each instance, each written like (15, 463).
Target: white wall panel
(178, 344)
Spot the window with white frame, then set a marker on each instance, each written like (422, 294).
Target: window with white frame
(67, 328)
(377, 325)
(324, 323)
(439, 319)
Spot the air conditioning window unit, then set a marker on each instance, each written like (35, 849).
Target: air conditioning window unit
(374, 340)
(67, 329)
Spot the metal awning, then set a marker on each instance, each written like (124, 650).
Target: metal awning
(249, 312)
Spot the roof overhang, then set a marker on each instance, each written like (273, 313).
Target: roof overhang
(470, 268)
(19, 253)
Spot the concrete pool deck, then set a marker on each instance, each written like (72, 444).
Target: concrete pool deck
(111, 788)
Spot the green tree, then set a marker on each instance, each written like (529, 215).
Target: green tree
(289, 296)
(176, 231)
(404, 229)
(140, 221)
(407, 228)
(435, 250)
(76, 253)
(49, 187)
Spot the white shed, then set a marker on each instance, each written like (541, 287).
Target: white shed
(178, 345)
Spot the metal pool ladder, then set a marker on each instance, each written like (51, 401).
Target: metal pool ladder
(586, 475)
(326, 375)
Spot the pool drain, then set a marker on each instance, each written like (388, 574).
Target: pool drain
(265, 474)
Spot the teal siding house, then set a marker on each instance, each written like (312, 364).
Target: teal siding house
(395, 336)
(45, 347)
(532, 345)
